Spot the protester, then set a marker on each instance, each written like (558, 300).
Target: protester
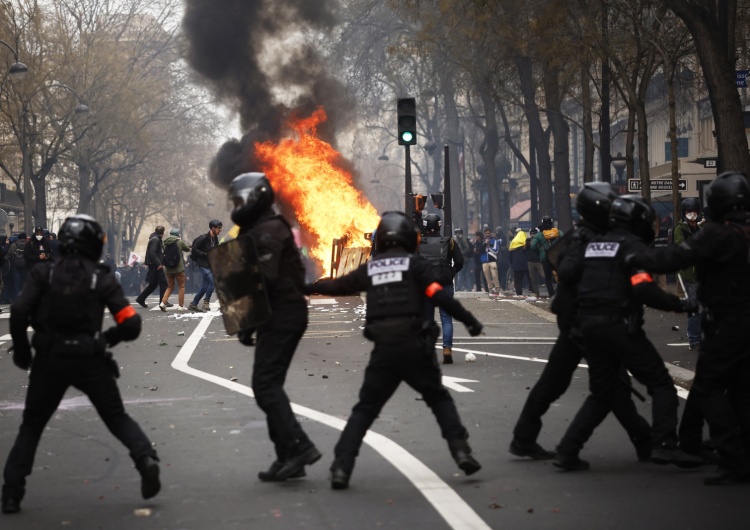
(174, 267)
(155, 276)
(200, 247)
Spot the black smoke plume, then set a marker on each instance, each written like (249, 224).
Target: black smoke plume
(227, 41)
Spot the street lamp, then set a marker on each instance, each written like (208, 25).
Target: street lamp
(81, 108)
(619, 162)
(12, 220)
(17, 70)
(505, 187)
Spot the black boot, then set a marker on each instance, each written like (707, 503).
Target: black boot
(532, 450)
(297, 462)
(462, 455)
(148, 467)
(11, 499)
(272, 474)
(570, 462)
(339, 476)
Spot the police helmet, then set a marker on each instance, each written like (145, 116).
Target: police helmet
(729, 192)
(250, 195)
(690, 204)
(593, 203)
(215, 223)
(431, 224)
(547, 223)
(396, 229)
(635, 214)
(82, 235)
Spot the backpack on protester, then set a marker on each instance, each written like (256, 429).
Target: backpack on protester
(171, 255)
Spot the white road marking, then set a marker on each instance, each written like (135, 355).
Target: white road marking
(456, 512)
(452, 383)
(323, 301)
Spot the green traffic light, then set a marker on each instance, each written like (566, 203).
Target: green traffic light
(406, 136)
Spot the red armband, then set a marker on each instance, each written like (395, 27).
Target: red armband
(124, 314)
(433, 288)
(640, 277)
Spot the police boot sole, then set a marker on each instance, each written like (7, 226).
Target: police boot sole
(297, 463)
(272, 475)
(571, 464)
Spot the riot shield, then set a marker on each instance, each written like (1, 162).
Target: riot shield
(239, 284)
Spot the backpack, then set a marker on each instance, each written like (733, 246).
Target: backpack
(18, 260)
(171, 255)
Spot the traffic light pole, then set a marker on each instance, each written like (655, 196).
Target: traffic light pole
(408, 200)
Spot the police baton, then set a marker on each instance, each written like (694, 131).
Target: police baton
(630, 387)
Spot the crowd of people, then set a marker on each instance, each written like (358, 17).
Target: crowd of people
(599, 276)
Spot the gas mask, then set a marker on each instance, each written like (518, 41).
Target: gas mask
(691, 216)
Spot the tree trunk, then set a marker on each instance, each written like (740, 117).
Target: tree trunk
(537, 137)
(713, 34)
(588, 125)
(560, 133)
(489, 152)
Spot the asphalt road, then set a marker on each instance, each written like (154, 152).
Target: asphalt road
(187, 383)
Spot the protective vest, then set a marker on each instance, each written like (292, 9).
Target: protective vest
(604, 283)
(437, 250)
(393, 290)
(71, 305)
(726, 285)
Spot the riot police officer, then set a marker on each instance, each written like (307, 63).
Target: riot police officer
(611, 295)
(397, 283)
(284, 274)
(64, 303)
(445, 255)
(721, 388)
(593, 203)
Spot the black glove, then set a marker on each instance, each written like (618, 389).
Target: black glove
(21, 357)
(475, 328)
(111, 336)
(246, 337)
(689, 306)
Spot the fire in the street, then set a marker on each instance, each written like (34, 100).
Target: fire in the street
(305, 172)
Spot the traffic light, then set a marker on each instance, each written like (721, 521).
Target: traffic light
(407, 121)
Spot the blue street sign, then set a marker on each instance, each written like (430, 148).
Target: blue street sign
(742, 78)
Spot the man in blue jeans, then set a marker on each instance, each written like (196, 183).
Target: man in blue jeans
(445, 256)
(201, 245)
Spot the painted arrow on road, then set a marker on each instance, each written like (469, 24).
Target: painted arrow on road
(452, 383)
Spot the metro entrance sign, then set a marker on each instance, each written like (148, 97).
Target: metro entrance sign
(657, 185)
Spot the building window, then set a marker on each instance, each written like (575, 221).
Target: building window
(682, 149)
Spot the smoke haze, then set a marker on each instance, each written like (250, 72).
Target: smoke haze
(243, 51)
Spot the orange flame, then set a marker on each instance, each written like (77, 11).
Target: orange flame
(305, 172)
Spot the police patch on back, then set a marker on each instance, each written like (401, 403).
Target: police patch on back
(602, 249)
(381, 266)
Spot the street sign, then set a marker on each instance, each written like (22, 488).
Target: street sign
(657, 185)
(742, 78)
(711, 163)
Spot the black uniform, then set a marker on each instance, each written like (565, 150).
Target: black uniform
(611, 294)
(156, 277)
(397, 284)
(721, 388)
(563, 360)
(64, 303)
(283, 272)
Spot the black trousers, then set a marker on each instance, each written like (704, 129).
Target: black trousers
(49, 380)
(276, 343)
(549, 279)
(414, 363)
(721, 388)
(154, 278)
(610, 347)
(563, 360)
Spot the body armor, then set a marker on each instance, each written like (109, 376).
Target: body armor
(437, 250)
(393, 290)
